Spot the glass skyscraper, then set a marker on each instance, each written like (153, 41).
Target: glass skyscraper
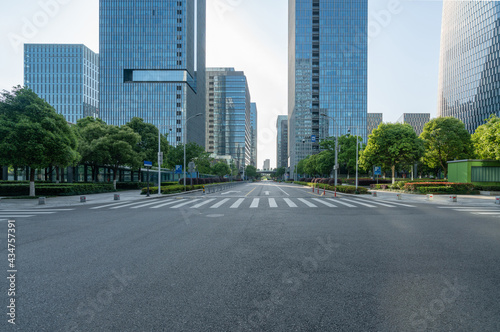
(282, 141)
(64, 75)
(469, 79)
(327, 72)
(253, 124)
(416, 120)
(373, 121)
(152, 60)
(229, 115)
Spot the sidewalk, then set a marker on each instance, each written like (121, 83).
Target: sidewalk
(462, 200)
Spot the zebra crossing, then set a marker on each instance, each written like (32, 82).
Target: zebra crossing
(252, 203)
(492, 211)
(7, 214)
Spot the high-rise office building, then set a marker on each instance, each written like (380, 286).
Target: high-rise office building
(267, 165)
(469, 83)
(152, 60)
(416, 120)
(282, 141)
(229, 115)
(373, 120)
(253, 124)
(66, 76)
(328, 51)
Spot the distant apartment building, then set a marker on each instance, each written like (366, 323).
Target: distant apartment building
(64, 75)
(282, 141)
(253, 128)
(373, 121)
(416, 120)
(267, 165)
(152, 65)
(229, 115)
(469, 83)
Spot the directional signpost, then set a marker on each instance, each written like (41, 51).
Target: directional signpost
(377, 171)
(148, 165)
(191, 170)
(178, 169)
(313, 138)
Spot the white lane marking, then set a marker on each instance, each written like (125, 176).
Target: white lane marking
(476, 210)
(364, 204)
(215, 206)
(126, 205)
(340, 202)
(255, 203)
(109, 205)
(290, 203)
(165, 204)
(24, 212)
(323, 202)
(237, 203)
(36, 210)
(372, 202)
(202, 203)
(401, 204)
(283, 191)
(143, 205)
(272, 203)
(17, 216)
(306, 202)
(487, 213)
(266, 192)
(458, 207)
(185, 203)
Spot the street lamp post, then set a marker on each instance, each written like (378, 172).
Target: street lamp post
(357, 156)
(185, 141)
(336, 147)
(160, 158)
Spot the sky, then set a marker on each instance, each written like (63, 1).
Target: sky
(252, 36)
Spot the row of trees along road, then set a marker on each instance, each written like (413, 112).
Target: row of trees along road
(33, 134)
(395, 146)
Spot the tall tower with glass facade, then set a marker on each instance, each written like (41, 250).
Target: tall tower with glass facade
(327, 94)
(152, 60)
(253, 124)
(229, 115)
(282, 141)
(469, 83)
(66, 76)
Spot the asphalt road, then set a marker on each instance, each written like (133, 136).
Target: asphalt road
(261, 257)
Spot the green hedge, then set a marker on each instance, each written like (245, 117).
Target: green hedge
(170, 189)
(342, 189)
(60, 189)
(487, 188)
(456, 187)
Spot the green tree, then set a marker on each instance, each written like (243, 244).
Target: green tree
(203, 163)
(251, 171)
(119, 144)
(347, 152)
(310, 165)
(221, 169)
(33, 134)
(445, 139)
(280, 172)
(392, 145)
(301, 166)
(486, 139)
(89, 131)
(176, 155)
(147, 148)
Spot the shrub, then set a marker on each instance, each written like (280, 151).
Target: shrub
(133, 185)
(487, 188)
(60, 189)
(457, 187)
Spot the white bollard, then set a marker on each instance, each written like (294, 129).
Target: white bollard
(41, 200)
(117, 197)
(497, 200)
(374, 194)
(430, 197)
(400, 197)
(453, 198)
(83, 199)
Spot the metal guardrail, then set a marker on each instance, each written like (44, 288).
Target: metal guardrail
(211, 189)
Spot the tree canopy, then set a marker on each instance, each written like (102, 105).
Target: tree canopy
(445, 139)
(33, 134)
(486, 139)
(392, 145)
(147, 148)
(251, 171)
(221, 168)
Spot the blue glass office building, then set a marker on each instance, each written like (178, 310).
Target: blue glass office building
(282, 141)
(66, 76)
(229, 115)
(469, 77)
(152, 60)
(253, 128)
(328, 51)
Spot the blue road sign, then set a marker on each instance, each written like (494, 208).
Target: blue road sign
(377, 170)
(313, 138)
(148, 164)
(178, 169)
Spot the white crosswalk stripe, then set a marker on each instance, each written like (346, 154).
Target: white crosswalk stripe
(218, 205)
(255, 203)
(364, 204)
(125, 205)
(105, 206)
(199, 205)
(290, 202)
(28, 213)
(272, 203)
(372, 202)
(325, 203)
(170, 202)
(339, 201)
(185, 203)
(307, 202)
(237, 203)
(143, 205)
